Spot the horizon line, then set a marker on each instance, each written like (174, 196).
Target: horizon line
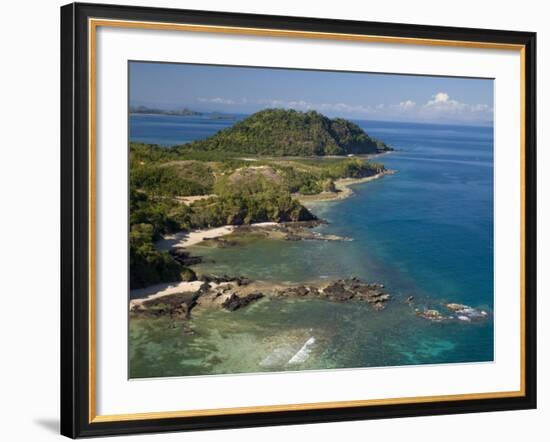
(194, 109)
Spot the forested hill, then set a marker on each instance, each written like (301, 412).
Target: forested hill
(280, 132)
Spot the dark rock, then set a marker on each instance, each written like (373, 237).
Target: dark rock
(204, 288)
(238, 280)
(235, 302)
(341, 291)
(184, 257)
(337, 291)
(241, 280)
(293, 237)
(298, 291)
(178, 305)
(188, 275)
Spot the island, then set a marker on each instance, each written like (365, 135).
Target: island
(281, 132)
(183, 112)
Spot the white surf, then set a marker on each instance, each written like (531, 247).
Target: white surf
(303, 353)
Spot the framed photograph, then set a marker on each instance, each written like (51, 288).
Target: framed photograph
(274, 220)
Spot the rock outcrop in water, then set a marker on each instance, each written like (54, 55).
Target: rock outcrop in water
(234, 293)
(292, 231)
(235, 302)
(184, 257)
(458, 312)
(177, 306)
(341, 291)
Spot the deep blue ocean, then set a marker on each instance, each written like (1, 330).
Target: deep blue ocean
(169, 130)
(426, 231)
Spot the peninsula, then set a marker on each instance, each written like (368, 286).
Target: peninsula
(256, 171)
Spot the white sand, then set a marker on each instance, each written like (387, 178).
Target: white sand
(266, 224)
(186, 239)
(160, 290)
(343, 187)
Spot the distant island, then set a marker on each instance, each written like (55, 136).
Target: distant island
(185, 112)
(260, 170)
(281, 132)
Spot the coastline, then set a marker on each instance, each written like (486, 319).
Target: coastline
(177, 301)
(184, 239)
(139, 296)
(343, 189)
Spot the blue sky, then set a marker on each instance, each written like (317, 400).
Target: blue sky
(335, 94)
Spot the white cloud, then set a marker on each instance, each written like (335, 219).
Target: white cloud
(440, 97)
(442, 102)
(321, 107)
(441, 107)
(217, 100)
(407, 105)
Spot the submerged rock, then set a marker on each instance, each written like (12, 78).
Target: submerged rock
(222, 242)
(291, 231)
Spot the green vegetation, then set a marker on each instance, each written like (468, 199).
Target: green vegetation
(147, 265)
(172, 179)
(239, 190)
(280, 132)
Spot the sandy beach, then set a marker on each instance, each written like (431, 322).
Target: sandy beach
(139, 296)
(343, 189)
(186, 239)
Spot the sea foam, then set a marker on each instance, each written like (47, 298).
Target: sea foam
(303, 353)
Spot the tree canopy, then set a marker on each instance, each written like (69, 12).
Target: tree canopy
(281, 132)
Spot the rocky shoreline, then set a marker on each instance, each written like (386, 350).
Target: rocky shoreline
(227, 236)
(342, 189)
(236, 293)
(290, 231)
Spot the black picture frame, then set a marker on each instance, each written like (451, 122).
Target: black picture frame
(75, 221)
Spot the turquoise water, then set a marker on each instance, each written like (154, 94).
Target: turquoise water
(425, 231)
